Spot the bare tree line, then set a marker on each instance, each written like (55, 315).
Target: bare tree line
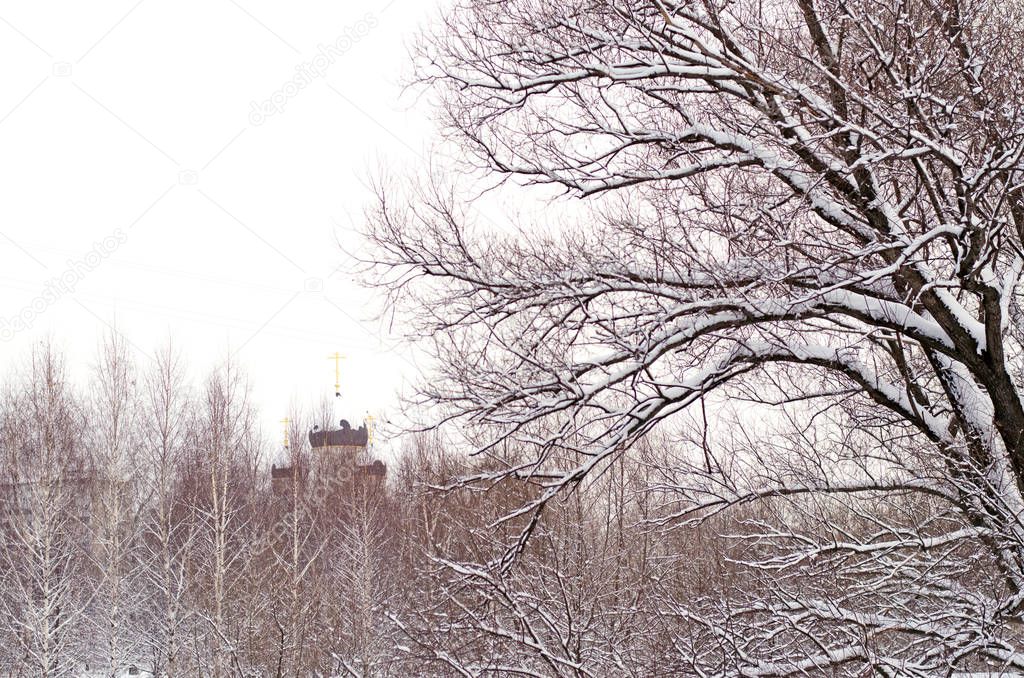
(140, 528)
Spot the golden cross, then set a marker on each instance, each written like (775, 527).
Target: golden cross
(337, 358)
(286, 421)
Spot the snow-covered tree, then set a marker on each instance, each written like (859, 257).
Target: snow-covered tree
(814, 206)
(117, 497)
(169, 524)
(578, 601)
(46, 507)
(361, 580)
(226, 444)
(290, 554)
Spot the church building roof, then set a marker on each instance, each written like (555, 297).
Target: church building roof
(346, 435)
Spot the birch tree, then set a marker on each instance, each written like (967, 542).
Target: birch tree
(118, 497)
(169, 526)
(291, 557)
(360, 578)
(814, 206)
(226, 443)
(46, 506)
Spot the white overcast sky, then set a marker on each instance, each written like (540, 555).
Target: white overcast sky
(137, 116)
